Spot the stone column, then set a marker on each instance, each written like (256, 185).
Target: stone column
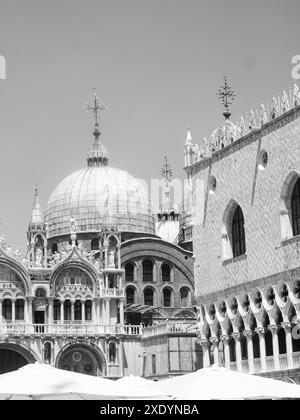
(238, 351)
(83, 311)
(72, 312)
(289, 343)
(50, 310)
(205, 349)
(225, 339)
(61, 311)
(262, 348)
(107, 311)
(1, 319)
(248, 335)
(29, 309)
(274, 330)
(215, 347)
(121, 312)
(13, 311)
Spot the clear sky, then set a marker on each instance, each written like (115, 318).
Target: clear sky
(157, 64)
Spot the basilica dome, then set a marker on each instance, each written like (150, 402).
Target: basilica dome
(99, 195)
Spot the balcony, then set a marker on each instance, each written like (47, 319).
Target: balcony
(7, 330)
(171, 328)
(112, 293)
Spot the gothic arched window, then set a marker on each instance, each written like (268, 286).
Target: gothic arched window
(147, 270)
(129, 272)
(166, 272)
(148, 296)
(77, 310)
(238, 233)
(295, 207)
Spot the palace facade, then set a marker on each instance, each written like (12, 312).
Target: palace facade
(244, 219)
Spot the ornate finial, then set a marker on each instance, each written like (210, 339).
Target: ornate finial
(227, 96)
(96, 107)
(166, 170)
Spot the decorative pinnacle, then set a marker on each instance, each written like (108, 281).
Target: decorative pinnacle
(96, 107)
(226, 96)
(166, 170)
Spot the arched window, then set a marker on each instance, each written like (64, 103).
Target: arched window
(112, 352)
(95, 244)
(147, 270)
(295, 208)
(88, 310)
(238, 233)
(67, 310)
(166, 272)
(148, 297)
(77, 310)
(130, 295)
(40, 293)
(56, 310)
(185, 297)
(7, 309)
(129, 272)
(20, 309)
(167, 293)
(54, 248)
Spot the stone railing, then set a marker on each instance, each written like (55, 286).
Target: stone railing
(114, 292)
(171, 327)
(68, 329)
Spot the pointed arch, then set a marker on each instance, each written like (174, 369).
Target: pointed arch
(290, 206)
(233, 231)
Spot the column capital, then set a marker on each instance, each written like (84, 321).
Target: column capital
(287, 326)
(214, 341)
(273, 328)
(260, 331)
(237, 336)
(225, 338)
(248, 333)
(204, 343)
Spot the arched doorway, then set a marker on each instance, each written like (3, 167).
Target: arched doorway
(81, 358)
(13, 357)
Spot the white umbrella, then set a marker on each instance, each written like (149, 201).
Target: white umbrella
(216, 383)
(37, 379)
(135, 386)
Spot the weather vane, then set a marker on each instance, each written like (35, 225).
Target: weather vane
(166, 170)
(227, 96)
(96, 107)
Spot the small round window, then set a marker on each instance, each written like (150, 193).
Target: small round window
(212, 185)
(263, 160)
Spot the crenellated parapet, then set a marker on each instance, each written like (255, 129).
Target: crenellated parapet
(230, 132)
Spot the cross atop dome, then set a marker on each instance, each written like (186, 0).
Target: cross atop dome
(166, 170)
(226, 96)
(98, 156)
(96, 107)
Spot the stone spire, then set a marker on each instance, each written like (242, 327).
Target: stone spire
(36, 215)
(98, 156)
(37, 235)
